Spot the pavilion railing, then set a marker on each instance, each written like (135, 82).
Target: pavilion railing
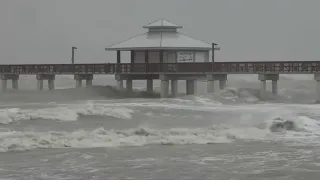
(306, 67)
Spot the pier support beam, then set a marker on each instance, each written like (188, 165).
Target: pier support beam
(174, 88)
(5, 77)
(129, 85)
(87, 77)
(190, 87)
(164, 86)
(222, 78)
(49, 77)
(263, 87)
(150, 86)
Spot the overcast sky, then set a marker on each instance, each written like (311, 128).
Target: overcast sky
(43, 31)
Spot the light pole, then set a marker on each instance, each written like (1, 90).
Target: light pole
(214, 48)
(72, 57)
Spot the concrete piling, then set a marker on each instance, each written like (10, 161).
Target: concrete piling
(164, 88)
(174, 88)
(190, 87)
(5, 77)
(263, 87)
(4, 85)
(51, 84)
(49, 77)
(150, 86)
(129, 85)
(80, 77)
(222, 78)
(120, 85)
(40, 85)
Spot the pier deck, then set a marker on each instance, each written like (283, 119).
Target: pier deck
(285, 67)
(191, 72)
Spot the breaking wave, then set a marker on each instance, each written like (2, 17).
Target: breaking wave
(12, 141)
(307, 131)
(63, 113)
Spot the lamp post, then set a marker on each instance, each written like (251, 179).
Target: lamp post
(214, 48)
(72, 57)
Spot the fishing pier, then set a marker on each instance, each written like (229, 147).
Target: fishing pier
(163, 53)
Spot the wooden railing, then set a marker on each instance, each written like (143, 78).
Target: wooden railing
(294, 67)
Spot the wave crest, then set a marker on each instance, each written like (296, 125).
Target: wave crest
(63, 113)
(14, 141)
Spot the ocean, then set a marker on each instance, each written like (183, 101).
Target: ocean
(99, 133)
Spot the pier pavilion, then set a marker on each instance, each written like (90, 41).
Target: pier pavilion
(164, 44)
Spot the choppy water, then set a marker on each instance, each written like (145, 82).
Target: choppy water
(96, 133)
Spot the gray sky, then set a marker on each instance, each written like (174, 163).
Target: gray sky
(43, 31)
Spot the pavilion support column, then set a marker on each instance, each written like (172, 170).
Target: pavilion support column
(222, 84)
(146, 53)
(118, 61)
(275, 87)
(150, 86)
(15, 84)
(164, 86)
(120, 85)
(210, 83)
(174, 88)
(263, 89)
(51, 84)
(210, 86)
(40, 84)
(4, 83)
(88, 82)
(190, 87)
(129, 85)
(78, 83)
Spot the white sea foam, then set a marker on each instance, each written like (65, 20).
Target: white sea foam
(114, 138)
(63, 113)
(308, 130)
(10, 141)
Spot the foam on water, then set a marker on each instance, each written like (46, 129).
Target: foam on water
(307, 131)
(114, 138)
(63, 113)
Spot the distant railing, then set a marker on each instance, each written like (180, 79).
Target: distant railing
(304, 67)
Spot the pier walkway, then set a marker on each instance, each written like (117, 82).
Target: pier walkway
(190, 72)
